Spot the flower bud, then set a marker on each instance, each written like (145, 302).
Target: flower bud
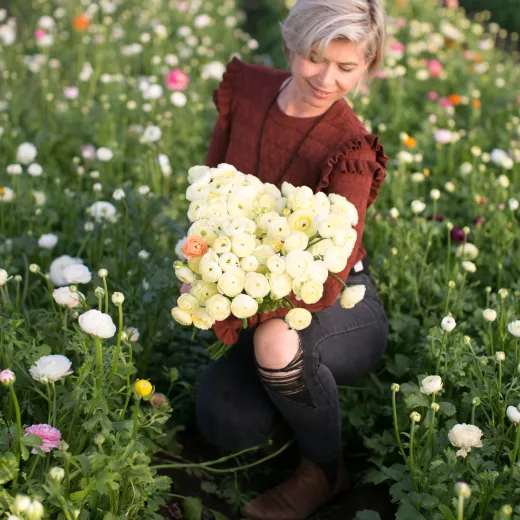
(35, 510)
(489, 315)
(158, 399)
(495, 474)
(500, 356)
(7, 377)
(449, 226)
(99, 292)
(99, 439)
(63, 446)
(476, 401)
(73, 288)
(57, 474)
(451, 284)
(503, 293)
(102, 273)
(34, 268)
(415, 416)
(507, 510)
(448, 323)
(462, 489)
(18, 278)
(466, 230)
(488, 289)
(395, 387)
(21, 503)
(124, 336)
(177, 264)
(483, 360)
(118, 298)
(435, 407)
(467, 340)
(143, 388)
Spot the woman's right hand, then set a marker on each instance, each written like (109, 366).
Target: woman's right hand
(185, 288)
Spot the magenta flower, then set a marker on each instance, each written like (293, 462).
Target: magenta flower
(50, 436)
(445, 102)
(457, 235)
(177, 80)
(438, 218)
(432, 95)
(435, 68)
(39, 33)
(7, 377)
(478, 220)
(397, 47)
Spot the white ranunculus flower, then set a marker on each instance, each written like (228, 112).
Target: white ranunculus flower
(319, 248)
(431, 385)
(185, 274)
(151, 134)
(339, 204)
(3, 277)
(281, 285)
(231, 283)
(321, 204)
(243, 245)
(265, 219)
(35, 170)
(335, 259)
(513, 414)
(26, 153)
(418, 206)
(188, 303)
(468, 266)
(210, 271)
(202, 320)
(298, 263)
(51, 368)
(448, 323)
(48, 241)
(102, 210)
(276, 264)
(352, 295)
(514, 328)
(303, 220)
(263, 253)
(164, 165)
(179, 246)
(298, 318)
(222, 245)
(58, 266)
(199, 172)
(466, 251)
(256, 285)
(513, 204)
(489, 315)
(244, 306)
(203, 290)
(178, 99)
(331, 225)
(249, 263)
(181, 316)
(278, 228)
(311, 291)
(301, 198)
(229, 261)
(218, 307)
(77, 273)
(465, 437)
(296, 241)
(104, 154)
(66, 298)
(318, 271)
(6, 194)
(97, 323)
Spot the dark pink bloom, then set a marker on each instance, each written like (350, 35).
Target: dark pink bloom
(39, 33)
(7, 377)
(50, 436)
(432, 95)
(438, 218)
(478, 221)
(445, 102)
(435, 68)
(457, 235)
(177, 79)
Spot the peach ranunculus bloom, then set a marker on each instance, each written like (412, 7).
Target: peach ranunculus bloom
(80, 22)
(194, 247)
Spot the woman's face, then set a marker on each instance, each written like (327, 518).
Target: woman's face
(321, 83)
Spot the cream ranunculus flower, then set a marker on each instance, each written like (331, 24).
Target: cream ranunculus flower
(278, 228)
(339, 204)
(202, 320)
(244, 306)
(97, 323)
(489, 314)
(188, 303)
(298, 263)
(199, 173)
(335, 259)
(77, 273)
(513, 414)
(222, 245)
(243, 245)
(232, 282)
(319, 248)
(51, 368)
(203, 290)
(296, 241)
(301, 198)
(197, 191)
(238, 206)
(465, 437)
(287, 188)
(281, 285)
(180, 316)
(276, 264)
(331, 225)
(318, 271)
(303, 220)
(185, 274)
(448, 323)
(311, 291)
(228, 261)
(197, 210)
(256, 285)
(57, 267)
(264, 220)
(275, 244)
(210, 271)
(66, 298)
(431, 385)
(514, 328)
(352, 295)
(265, 202)
(263, 253)
(218, 307)
(249, 263)
(467, 251)
(344, 237)
(204, 229)
(321, 204)
(240, 226)
(298, 318)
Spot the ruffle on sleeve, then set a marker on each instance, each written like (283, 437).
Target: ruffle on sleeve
(355, 156)
(223, 95)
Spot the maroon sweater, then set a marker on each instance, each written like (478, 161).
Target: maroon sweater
(339, 156)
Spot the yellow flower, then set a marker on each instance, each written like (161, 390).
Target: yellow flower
(143, 388)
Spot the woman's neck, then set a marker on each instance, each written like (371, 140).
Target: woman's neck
(292, 103)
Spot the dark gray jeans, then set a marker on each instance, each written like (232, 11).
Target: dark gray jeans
(237, 408)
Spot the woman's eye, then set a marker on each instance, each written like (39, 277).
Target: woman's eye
(346, 70)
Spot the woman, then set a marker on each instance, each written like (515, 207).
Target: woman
(296, 127)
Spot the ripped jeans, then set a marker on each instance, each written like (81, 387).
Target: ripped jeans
(240, 404)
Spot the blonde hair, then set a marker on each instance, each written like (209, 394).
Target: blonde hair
(313, 24)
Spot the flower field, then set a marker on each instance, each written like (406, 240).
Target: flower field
(104, 107)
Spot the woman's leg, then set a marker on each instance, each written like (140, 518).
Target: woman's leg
(233, 409)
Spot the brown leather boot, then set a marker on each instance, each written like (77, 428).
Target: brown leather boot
(299, 496)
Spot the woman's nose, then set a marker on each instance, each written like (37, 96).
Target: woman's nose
(326, 77)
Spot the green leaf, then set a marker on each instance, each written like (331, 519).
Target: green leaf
(416, 401)
(192, 508)
(31, 440)
(447, 408)
(218, 516)
(367, 514)
(445, 510)
(8, 467)
(408, 388)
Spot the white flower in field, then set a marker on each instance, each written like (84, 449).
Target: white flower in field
(71, 93)
(164, 165)
(465, 168)
(513, 414)
(102, 210)
(151, 134)
(467, 251)
(97, 323)
(46, 22)
(39, 197)
(202, 20)
(418, 206)
(143, 254)
(213, 69)
(97, 187)
(435, 194)
(89, 227)
(394, 213)
(118, 298)
(431, 385)
(14, 169)
(66, 298)
(178, 99)
(6, 194)
(104, 154)
(51, 368)
(465, 437)
(133, 334)
(48, 241)
(58, 266)
(26, 153)
(462, 489)
(3, 277)
(501, 158)
(143, 190)
(118, 194)
(468, 266)
(180, 316)
(218, 307)
(500, 356)
(154, 91)
(298, 318)
(352, 295)
(513, 204)
(77, 273)
(514, 328)
(443, 136)
(449, 187)
(256, 285)
(244, 306)
(34, 170)
(489, 315)
(335, 259)
(504, 181)
(22, 503)
(448, 323)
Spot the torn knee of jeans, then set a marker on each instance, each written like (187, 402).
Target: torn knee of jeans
(288, 381)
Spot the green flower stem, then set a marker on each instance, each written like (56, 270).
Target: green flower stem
(49, 401)
(440, 353)
(339, 280)
(473, 414)
(106, 293)
(499, 376)
(119, 332)
(460, 297)
(491, 339)
(447, 301)
(412, 466)
(4, 298)
(447, 268)
(17, 298)
(99, 368)
(517, 446)
(136, 419)
(33, 467)
(66, 467)
(430, 428)
(460, 508)
(53, 404)
(18, 446)
(396, 426)
(100, 304)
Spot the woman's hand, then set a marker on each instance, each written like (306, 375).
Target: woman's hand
(185, 288)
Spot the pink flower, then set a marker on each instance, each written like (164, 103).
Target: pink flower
(445, 102)
(88, 152)
(397, 47)
(401, 22)
(177, 80)
(39, 33)
(70, 92)
(7, 377)
(381, 74)
(50, 436)
(432, 95)
(435, 68)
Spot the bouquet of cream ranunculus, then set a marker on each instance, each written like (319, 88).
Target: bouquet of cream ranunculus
(253, 249)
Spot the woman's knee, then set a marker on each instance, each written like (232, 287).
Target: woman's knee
(275, 343)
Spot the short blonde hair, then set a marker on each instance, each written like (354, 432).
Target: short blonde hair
(315, 23)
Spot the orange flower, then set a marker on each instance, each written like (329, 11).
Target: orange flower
(410, 142)
(2, 191)
(455, 99)
(476, 103)
(478, 58)
(80, 22)
(194, 247)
